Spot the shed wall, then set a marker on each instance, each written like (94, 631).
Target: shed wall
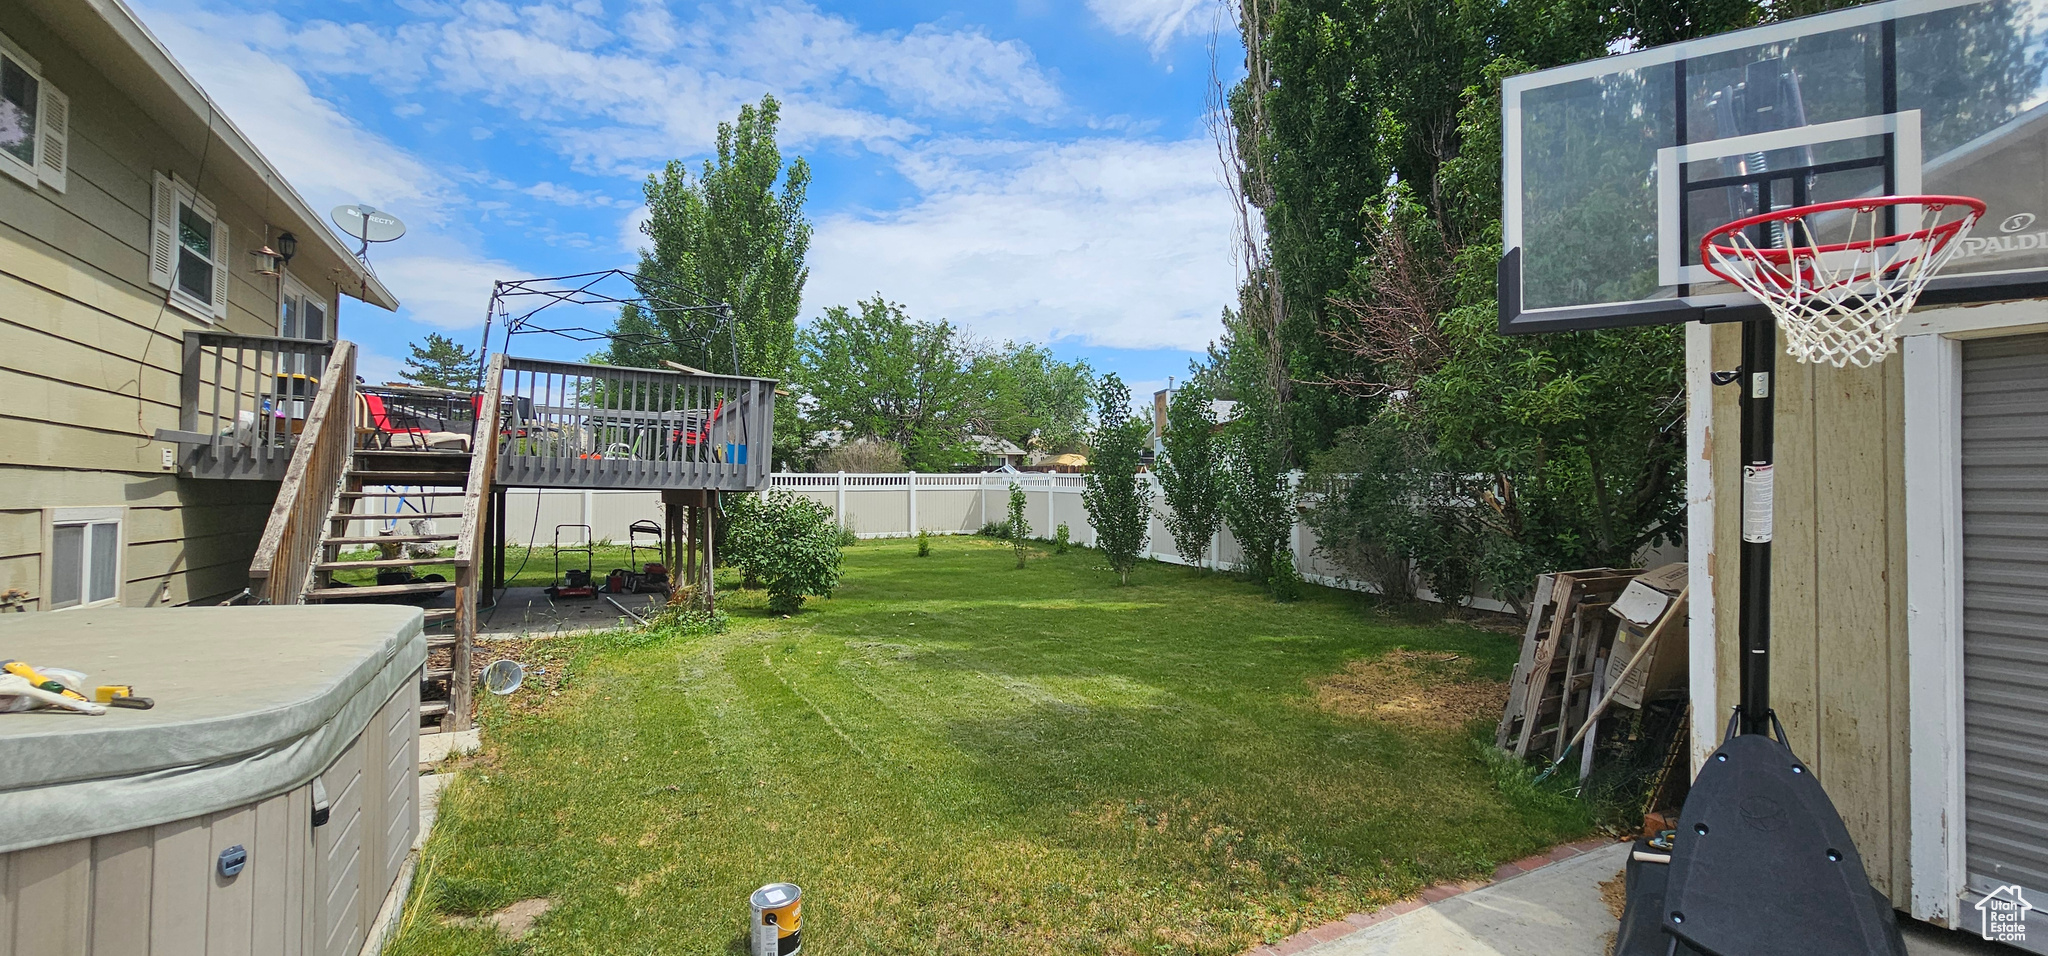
(1838, 607)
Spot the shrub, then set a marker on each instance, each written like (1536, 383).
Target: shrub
(1285, 582)
(848, 537)
(789, 542)
(924, 543)
(999, 530)
(1060, 539)
(1019, 526)
(865, 456)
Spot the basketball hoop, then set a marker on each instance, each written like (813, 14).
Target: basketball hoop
(1840, 301)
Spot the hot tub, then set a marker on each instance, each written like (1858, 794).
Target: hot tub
(285, 738)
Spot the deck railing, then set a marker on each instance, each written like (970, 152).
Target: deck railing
(570, 424)
(291, 538)
(244, 402)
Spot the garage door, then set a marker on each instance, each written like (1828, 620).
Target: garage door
(2005, 622)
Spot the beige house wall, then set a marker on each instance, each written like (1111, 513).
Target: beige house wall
(90, 352)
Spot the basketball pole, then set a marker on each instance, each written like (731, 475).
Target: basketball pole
(1758, 375)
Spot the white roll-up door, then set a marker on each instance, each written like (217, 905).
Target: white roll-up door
(2005, 624)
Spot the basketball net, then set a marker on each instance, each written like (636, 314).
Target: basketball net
(1838, 280)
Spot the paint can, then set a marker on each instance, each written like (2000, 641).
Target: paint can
(775, 927)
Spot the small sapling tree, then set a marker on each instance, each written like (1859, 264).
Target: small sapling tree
(1188, 473)
(1119, 503)
(1020, 528)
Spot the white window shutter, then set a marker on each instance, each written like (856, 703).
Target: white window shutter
(223, 255)
(54, 145)
(163, 232)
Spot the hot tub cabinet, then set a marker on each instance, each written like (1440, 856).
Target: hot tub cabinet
(284, 739)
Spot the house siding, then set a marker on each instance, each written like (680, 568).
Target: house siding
(90, 353)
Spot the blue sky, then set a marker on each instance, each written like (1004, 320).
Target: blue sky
(1029, 169)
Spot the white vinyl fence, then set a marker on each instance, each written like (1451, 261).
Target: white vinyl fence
(889, 506)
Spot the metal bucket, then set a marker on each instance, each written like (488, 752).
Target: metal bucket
(775, 924)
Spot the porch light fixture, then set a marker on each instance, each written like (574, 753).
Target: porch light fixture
(273, 260)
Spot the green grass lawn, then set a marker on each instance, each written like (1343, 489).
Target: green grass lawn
(952, 756)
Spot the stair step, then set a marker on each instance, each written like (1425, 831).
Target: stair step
(433, 708)
(381, 563)
(431, 479)
(413, 452)
(399, 494)
(439, 673)
(437, 643)
(397, 515)
(436, 614)
(381, 590)
(393, 539)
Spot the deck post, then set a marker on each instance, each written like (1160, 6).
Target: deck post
(710, 516)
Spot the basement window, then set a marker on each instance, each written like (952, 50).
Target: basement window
(85, 557)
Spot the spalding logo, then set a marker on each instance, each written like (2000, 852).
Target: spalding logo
(2016, 222)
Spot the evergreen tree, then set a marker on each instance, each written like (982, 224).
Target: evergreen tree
(1119, 503)
(438, 362)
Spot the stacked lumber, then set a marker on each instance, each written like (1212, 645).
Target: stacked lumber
(1564, 647)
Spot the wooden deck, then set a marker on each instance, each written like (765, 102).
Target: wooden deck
(575, 425)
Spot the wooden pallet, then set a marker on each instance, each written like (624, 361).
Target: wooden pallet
(1567, 634)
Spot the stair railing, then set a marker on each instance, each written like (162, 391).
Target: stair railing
(471, 564)
(292, 537)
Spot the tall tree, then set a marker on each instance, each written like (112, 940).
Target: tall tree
(725, 235)
(873, 372)
(438, 362)
(1188, 472)
(1032, 398)
(1119, 504)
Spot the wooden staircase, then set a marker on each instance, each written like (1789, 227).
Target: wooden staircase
(333, 491)
(376, 478)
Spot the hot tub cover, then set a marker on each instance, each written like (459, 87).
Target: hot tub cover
(250, 702)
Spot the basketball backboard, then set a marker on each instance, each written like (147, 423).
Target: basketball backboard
(1614, 168)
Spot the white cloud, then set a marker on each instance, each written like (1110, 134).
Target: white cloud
(328, 156)
(1157, 22)
(1116, 243)
(614, 96)
(447, 291)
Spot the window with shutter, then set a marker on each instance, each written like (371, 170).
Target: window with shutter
(21, 113)
(189, 249)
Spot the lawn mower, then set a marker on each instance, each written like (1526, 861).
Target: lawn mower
(574, 582)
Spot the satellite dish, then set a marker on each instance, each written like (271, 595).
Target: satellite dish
(503, 676)
(367, 223)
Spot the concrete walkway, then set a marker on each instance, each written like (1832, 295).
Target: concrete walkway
(1548, 909)
(1552, 911)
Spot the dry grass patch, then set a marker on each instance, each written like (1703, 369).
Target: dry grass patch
(1433, 690)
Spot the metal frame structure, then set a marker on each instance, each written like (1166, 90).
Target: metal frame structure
(655, 296)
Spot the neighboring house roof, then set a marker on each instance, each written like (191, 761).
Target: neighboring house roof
(990, 445)
(120, 46)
